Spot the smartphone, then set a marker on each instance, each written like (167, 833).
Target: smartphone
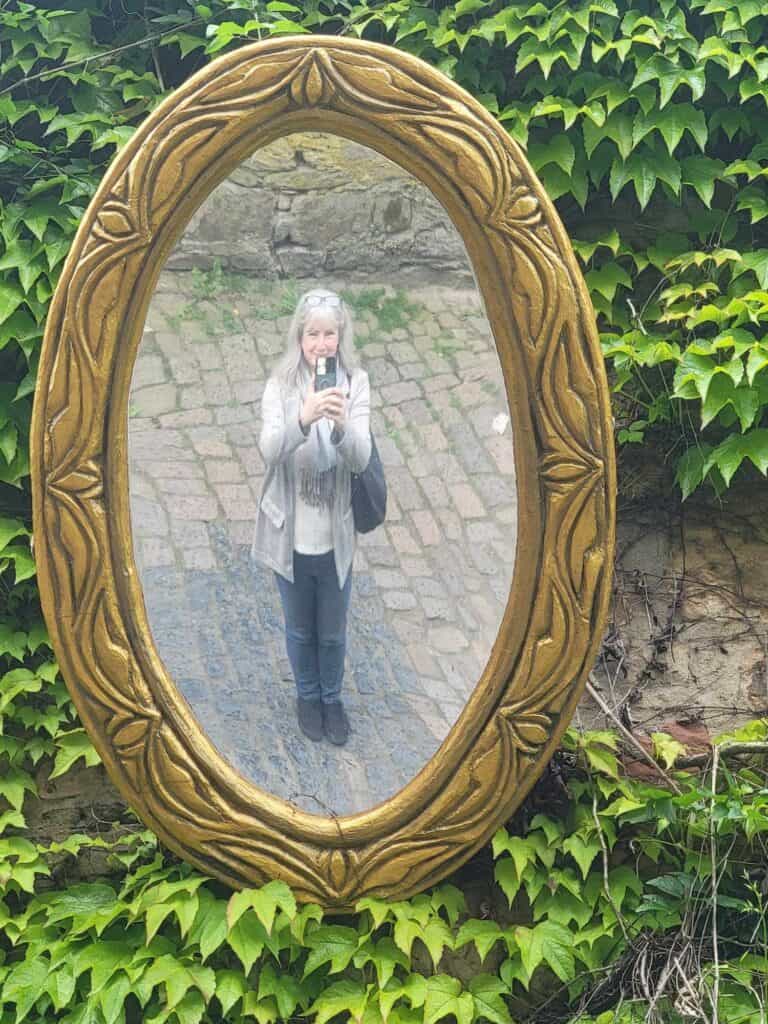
(325, 372)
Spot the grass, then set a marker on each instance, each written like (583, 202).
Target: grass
(391, 311)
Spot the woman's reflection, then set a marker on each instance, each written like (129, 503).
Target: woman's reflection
(315, 434)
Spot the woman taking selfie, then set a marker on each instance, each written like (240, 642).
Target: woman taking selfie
(315, 434)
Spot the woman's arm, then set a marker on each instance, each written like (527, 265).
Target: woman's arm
(281, 432)
(354, 446)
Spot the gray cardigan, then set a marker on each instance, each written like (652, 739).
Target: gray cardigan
(281, 435)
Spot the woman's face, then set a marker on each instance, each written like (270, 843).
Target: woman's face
(320, 336)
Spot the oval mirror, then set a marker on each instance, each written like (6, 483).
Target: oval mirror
(470, 617)
(427, 588)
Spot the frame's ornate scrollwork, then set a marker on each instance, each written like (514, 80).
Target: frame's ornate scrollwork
(543, 326)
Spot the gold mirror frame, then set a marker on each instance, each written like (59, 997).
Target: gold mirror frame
(543, 325)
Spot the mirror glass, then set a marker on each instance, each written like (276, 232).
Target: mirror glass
(427, 589)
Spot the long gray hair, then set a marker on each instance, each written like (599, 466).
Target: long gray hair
(289, 369)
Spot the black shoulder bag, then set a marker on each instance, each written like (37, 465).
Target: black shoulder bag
(369, 494)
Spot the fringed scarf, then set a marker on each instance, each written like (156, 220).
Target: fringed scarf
(315, 461)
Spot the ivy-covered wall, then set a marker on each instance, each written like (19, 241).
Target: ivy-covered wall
(629, 900)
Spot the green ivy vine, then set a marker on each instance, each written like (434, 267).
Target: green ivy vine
(647, 123)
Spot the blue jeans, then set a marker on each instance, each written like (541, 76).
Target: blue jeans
(315, 613)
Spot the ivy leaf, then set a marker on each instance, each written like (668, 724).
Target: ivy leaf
(414, 989)
(694, 370)
(722, 392)
(754, 200)
(644, 168)
(23, 985)
(548, 943)
(450, 898)
(666, 749)
(11, 297)
(487, 991)
(60, 986)
(264, 902)
(507, 878)
(384, 955)
(248, 939)
(701, 173)
(558, 150)
(618, 127)
(484, 934)
(757, 361)
(286, 989)
(71, 746)
(444, 998)
(672, 123)
(335, 944)
(730, 453)
(692, 468)
(230, 986)
(582, 850)
(209, 929)
(757, 261)
(669, 76)
(349, 997)
(15, 782)
(607, 279)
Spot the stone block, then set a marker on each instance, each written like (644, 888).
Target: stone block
(427, 527)
(223, 471)
(153, 401)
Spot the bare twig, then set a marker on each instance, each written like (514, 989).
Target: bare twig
(713, 880)
(629, 737)
(606, 865)
(725, 751)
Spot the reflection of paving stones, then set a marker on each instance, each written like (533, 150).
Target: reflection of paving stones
(429, 587)
(232, 669)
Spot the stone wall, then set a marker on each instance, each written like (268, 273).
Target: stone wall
(314, 204)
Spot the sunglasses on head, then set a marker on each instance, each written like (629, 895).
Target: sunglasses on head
(322, 300)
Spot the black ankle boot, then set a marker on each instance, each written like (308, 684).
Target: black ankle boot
(310, 716)
(335, 723)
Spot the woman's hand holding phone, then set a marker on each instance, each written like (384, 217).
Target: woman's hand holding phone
(329, 402)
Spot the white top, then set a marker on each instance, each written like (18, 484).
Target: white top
(313, 532)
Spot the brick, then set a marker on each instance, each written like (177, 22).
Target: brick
(398, 600)
(187, 418)
(212, 448)
(217, 388)
(447, 639)
(148, 517)
(401, 484)
(208, 356)
(433, 437)
(467, 503)
(174, 468)
(441, 382)
(198, 558)
(221, 471)
(402, 540)
(427, 527)
(435, 491)
(193, 507)
(237, 500)
(155, 553)
(192, 397)
(182, 485)
(403, 391)
(449, 468)
(148, 370)
(153, 401)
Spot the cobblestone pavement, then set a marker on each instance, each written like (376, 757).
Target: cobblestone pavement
(429, 587)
